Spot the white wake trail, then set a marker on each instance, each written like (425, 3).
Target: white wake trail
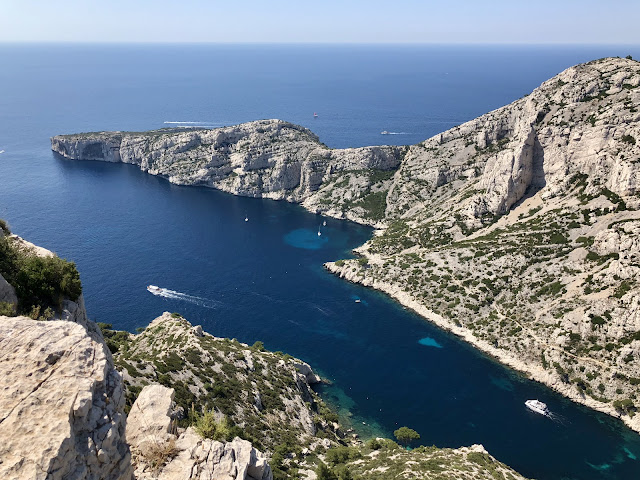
(174, 295)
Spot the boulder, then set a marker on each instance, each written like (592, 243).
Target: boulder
(159, 454)
(61, 404)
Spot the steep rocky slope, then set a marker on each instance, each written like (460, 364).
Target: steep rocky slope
(382, 459)
(267, 158)
(517, 230)
(265, 395)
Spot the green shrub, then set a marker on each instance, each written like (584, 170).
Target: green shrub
(406, 435)
(7, 309)
(4, 226)
(207, 427)
(340, 455)
(324, 473)
(38, 281)
(628, 139)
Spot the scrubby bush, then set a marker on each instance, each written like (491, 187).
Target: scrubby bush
(406, 435)
(38, 281)
(207, 426)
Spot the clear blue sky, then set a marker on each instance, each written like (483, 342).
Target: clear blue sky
(325, 21)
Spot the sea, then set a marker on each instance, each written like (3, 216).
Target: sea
(252, 269)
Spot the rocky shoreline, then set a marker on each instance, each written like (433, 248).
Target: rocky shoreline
(504, 357)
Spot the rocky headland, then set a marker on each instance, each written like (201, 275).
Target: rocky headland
(518, 230)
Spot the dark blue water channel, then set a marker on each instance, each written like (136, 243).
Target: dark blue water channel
(262, 279)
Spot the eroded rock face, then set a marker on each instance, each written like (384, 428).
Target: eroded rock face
(61, 404)
(7, 293)
(160, 454)
(267, 158)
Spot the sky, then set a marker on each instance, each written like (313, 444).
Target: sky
(321, 21)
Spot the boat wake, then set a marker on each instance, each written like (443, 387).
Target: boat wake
(557, 418)
(194, 124)
(394, 133)
(200, 301)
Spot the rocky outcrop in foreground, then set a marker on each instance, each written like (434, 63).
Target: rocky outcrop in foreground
(61, 404)
(266, 395)
(160, 452)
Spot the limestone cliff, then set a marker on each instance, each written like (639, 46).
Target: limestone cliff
(267, 158)
(517, 231)
(61, 404)
(160, 451)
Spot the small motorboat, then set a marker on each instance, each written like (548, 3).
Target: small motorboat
(155, 290)
(358, 300)
(384, 132)
(324, 224)
(246, 219)
(315, 115)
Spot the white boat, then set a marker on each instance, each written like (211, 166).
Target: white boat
(537, 406)
(324, 224)
(319, 231)
(358, 300)
(246, 219)
(384, 132)
(155, 290)
(315, 115)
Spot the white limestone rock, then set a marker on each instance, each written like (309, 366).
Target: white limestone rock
(61, 404)
(159, 454)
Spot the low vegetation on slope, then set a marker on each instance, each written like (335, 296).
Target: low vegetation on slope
(41, 283)
(382, 459)
(261, 396)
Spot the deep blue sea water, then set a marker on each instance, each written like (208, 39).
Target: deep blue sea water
(262, 279)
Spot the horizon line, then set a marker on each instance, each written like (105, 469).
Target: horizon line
(303, 43)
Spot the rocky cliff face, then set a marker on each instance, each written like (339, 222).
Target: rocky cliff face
(61, 404)
(159, 451)
(517, 231)
(267, 158)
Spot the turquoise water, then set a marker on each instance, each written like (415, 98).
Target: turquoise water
(263, 279)
(429, 342)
